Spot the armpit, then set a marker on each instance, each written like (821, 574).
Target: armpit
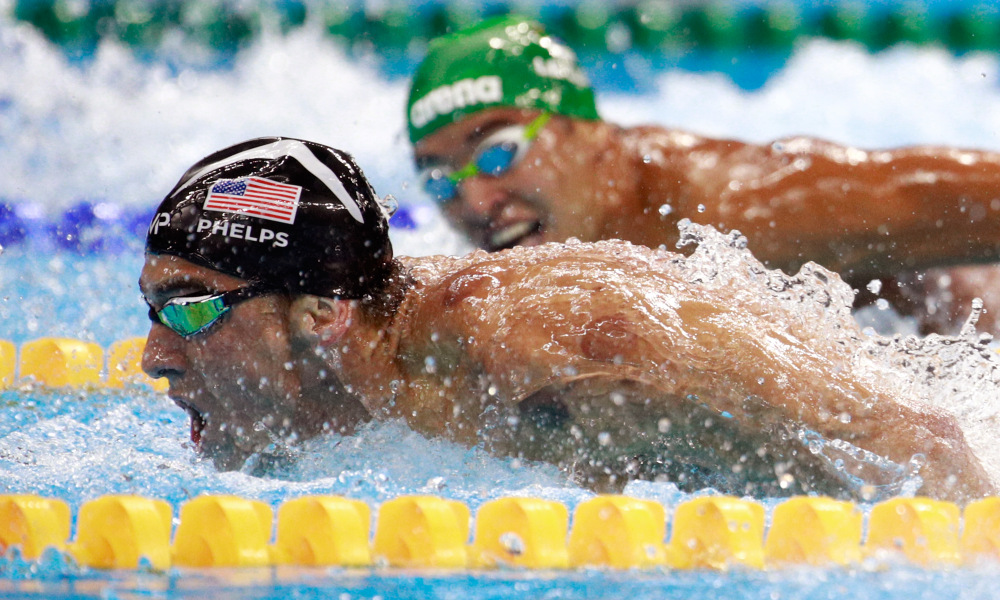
(606, 430)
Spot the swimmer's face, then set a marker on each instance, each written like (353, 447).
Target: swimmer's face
(546, 196)
(235, 379)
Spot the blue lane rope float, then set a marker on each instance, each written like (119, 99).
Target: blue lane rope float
(646, 26)
(96, 227)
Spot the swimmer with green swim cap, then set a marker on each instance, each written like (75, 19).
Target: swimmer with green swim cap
(506, 62)
(572, 354)
(507, 142)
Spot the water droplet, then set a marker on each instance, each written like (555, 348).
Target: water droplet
(647, 158)
(874, 286)
(665, 209)
(512, 543)
(868, 492)
(701, 208)
(604, 438)
(430, 365)
(390, 204)
(435, 484)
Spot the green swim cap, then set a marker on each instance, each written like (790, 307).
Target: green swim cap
(505, 61)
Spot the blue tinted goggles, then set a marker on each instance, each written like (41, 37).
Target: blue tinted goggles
(191, 315)
(494, 156)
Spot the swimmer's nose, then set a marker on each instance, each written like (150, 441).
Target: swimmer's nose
(163, 356)
(480, 198)
(481, 201)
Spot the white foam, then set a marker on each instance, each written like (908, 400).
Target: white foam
(838, 91)
(123, 130)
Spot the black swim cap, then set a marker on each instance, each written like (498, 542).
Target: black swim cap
(282, 213)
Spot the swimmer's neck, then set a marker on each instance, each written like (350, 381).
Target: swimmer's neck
(365, 360)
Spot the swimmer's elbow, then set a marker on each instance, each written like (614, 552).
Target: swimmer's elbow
(953, 470)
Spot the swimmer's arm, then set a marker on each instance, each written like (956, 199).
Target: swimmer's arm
(857, 212)
(799, 382)
(728, 361)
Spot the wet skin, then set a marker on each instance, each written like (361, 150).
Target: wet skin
(864, 214)
(598, 358)
(242, 381)
(555, 193)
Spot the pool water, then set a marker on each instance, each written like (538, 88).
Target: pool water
(116, 131)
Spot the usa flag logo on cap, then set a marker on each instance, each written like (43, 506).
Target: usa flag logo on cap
(255, 196)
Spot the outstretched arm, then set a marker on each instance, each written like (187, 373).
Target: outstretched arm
(861, 213)
(545, 320)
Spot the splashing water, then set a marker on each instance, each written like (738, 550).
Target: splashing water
(121, 130)
(957, 374)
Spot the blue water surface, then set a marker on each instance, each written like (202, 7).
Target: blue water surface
(116, 131)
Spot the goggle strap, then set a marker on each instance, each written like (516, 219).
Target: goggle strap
(464, 173)
(535, 126)
(234, 297)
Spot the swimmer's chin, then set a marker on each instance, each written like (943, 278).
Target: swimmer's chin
(217, 446)
(269, 461)
(224, 457)
(251, 454)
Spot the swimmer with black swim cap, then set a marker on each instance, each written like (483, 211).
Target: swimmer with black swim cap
(271, 218)
(572, 354)
(282, 213)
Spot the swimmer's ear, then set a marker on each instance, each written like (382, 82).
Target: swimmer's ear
(319, 321)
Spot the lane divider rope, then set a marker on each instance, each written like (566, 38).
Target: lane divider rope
(651, 27)
(618, 532)
(607, 531)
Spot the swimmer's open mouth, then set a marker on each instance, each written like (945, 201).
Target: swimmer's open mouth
(197, 422)
(197, 426)
(511, 236)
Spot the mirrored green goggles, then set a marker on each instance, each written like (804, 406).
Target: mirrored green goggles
(191, 315)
